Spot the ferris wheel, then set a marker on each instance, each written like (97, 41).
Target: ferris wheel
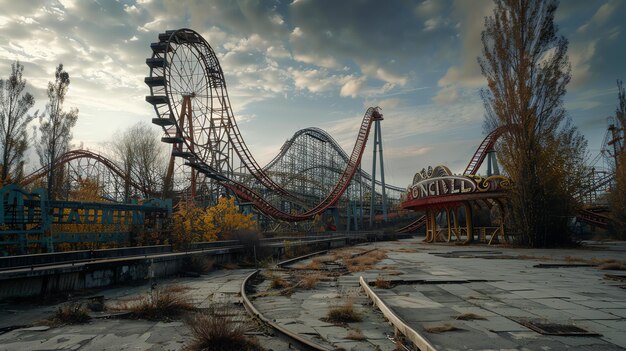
(188, 92)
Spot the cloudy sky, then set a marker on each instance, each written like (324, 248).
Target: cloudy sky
(301, 63)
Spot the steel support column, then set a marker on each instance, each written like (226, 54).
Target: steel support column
(378, 144)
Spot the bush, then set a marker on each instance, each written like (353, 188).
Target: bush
(200, 264)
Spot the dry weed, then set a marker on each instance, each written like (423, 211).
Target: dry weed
(216, 331)
(365, 261)
(279, 283)
(343, 314)
(470, 317)
(355, 334)
(71, 313)
(309, 281)
(441, 328)
(613, 265)
(382, 283)
(160, 304)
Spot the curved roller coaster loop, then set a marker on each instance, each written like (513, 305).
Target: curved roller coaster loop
(352, 166)
(324, 136)
(485, 147)
(188, 92)
(84, 154)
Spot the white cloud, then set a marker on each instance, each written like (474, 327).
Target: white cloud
(383, 74)
(313, 80)
(580, 57)
(353, 87)
(467, 72)
(446, 95)
(603, 13)
(317, 60)
(278, 52)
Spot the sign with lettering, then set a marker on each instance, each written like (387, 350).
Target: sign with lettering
(440, 186)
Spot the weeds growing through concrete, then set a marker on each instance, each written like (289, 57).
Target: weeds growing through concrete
(441, 328)
(315, 264)
(161, 304)
(470, 317)
(216, 330)
(343, 314)
(279, 283)
(611, 265)
(71, 313)
(309, 281)
(363, 262)
(355, 334)
(382, 283)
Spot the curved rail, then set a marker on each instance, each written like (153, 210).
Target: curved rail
(420, 341)
(78, 154)
(246, 193)
(322, 135)
(219, 104)
(483, 149)
(592, 217)
(220, 110)
(302, 342)
(418, 223)
(477, 159)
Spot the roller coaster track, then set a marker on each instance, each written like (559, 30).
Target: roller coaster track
(170, 83)
(220, 107)
(483, 149)
(352, 166)
(324, 136)
(471, 169)
(84, 154)
(593, 217)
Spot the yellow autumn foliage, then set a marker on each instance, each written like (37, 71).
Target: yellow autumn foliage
(194, 224)
(227, 219)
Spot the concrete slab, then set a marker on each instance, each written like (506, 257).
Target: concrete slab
(620, 312)
(589, 314)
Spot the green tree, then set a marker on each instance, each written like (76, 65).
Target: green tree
(527, 69)
(14, 119)
(55, 126)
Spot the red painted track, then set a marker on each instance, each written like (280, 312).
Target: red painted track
(483, 149)
(471, 169)
(78, 154)
(164, 101)
(247, 194)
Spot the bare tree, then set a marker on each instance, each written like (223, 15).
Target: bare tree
(14, 119)
(618, 194)
(527, 69)
(55, 126)
(143, 157)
